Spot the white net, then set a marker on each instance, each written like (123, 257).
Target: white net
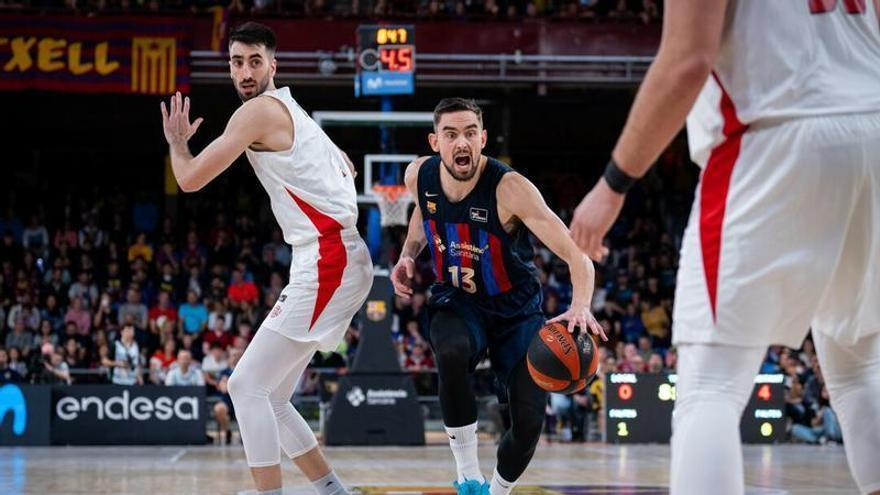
(394, 201)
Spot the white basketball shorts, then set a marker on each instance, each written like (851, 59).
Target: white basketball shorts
(329, 281)
(784, 235)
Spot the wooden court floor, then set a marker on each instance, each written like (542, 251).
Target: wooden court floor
(557, 469)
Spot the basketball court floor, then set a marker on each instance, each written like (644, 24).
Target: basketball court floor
(558, 469)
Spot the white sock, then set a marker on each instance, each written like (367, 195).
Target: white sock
(276, 491)
(463, 442)
(499, 485)
(329, 485)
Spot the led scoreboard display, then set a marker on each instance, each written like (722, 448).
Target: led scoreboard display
(386, 63)
(638, 409)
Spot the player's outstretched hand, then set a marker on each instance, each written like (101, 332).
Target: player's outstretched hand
(176, 123)
(594, 217)
(578, 315)
(401, 276)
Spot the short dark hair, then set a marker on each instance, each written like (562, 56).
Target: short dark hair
(254, 33)
(450, 105)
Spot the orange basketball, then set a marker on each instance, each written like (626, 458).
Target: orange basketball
(560, 362)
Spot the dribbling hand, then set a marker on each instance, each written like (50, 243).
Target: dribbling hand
(176, 123)
(578, 315)
(401, 277)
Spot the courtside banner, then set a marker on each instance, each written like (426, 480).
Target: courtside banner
(115, 414)
(142, 55)
(24, 414)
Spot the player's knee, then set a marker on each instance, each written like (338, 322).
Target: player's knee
(451, 341)
(452, 352)
(240, 385)
(527, 427)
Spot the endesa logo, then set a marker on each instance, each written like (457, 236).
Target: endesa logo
(123, 408)
(12, 402)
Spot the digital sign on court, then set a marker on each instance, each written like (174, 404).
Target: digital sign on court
(386, 60)
(638, 408)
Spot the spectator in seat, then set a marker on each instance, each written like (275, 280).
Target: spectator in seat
(127, 359)
(134, 312)
(419, 358)
(55, 369)
(193, 344)
(45, 335)
(823, 426)
(25, 311)
(670, 360)
(8, 374)
(161, 361)
(78, 314)
(241, 290)
(51, 312)
(193, 314)
(645, 348)
(655, 363)
(185, 374)
(163, 307)
(656, 322)
(213, 365)
(140, 249)
(16, 362)
(631, 324)
(104, 363)
(20, 337)
(220, 312)
(35, 238)
(217, 334)
(84, 289)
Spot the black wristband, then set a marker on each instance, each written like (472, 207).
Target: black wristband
(618, 180)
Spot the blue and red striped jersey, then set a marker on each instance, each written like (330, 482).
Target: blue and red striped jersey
(469, 247)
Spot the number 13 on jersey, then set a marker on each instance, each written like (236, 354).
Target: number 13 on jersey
(463, 278)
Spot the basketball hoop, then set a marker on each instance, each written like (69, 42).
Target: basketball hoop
(394, 201)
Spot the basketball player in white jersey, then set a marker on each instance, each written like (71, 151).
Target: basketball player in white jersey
(311, 189)
(784, 232)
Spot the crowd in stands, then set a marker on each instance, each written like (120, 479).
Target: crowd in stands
(98, 296)
(646, 11)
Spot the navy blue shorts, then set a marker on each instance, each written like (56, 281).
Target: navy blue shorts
(504, 330)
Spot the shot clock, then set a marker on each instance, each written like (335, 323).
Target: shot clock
(638, 408)
(386, 63)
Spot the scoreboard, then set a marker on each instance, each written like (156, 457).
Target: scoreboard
(638, 408)
(386, 63)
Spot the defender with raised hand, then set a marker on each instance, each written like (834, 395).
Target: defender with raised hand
(311, 190)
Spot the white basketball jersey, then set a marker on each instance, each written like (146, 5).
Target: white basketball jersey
(310, 187)
(785, 59)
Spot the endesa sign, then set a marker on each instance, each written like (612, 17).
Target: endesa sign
(110, 414)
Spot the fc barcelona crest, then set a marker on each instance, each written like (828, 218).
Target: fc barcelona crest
(432, 207)
(376, 310)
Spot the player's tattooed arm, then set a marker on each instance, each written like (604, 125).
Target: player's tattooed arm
(518, 197)
(402, 274)
(259, 121)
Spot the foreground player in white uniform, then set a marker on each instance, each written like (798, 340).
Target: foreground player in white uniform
(784, 233)
(311, 188)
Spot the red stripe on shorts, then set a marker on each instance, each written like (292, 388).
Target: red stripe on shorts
(331, 255)
(713, 192)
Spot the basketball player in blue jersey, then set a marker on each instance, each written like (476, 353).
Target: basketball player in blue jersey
(474, 213)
